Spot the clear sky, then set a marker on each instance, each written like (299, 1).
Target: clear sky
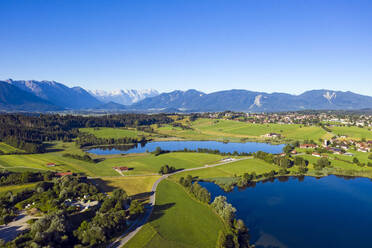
(209, 45)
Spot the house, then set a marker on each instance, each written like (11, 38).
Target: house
(294, 152)
(335, 150)
(348, 154)
(306, 146)
(61, 174)
(51, 164)
(364, 149)
(272, 135)
(121, 168)
(315, 154)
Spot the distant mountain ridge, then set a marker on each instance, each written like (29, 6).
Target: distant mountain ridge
(250, 101)
(125, 97)
(14, 99)
(32, 95)
(57, 93)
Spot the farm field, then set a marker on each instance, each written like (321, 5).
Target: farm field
(16, 188)
(231, 169)
(150, 164)
(178, 221)
(141, 164)
(133, 185)
(115, 133)
(40, 161)
(353, 132)
(5, 148)
(235, 131)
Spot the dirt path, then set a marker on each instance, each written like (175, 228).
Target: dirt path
(11, 231)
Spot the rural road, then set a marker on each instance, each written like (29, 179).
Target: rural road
(137, 225)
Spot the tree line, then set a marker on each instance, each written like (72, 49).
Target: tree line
(28, 132)
(195, 189)
(85, 140)
(237, 234)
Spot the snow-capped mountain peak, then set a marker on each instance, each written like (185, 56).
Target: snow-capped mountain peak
(124, 96)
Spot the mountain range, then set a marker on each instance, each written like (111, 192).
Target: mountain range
(40, 96)
(125, 97)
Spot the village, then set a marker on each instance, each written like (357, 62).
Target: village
(331, 119)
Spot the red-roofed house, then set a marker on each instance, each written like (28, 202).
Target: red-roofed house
(61, 174)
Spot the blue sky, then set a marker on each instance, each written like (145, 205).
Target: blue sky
(209, 45)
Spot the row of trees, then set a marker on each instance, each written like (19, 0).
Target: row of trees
(166, 169)
(237, 235)
(90, 140)
(84, 157)
(195, 189)
(12, 178)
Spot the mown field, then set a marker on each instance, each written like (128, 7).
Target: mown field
(235, 131)
(115, 133)
(5, 148)
(231, 169)
(178, 221)
(353, 132)
(142, 164)
(16, 188)
(150, 164)
(133, 185)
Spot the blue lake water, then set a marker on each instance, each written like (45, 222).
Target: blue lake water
(307, 213)
(191, 145)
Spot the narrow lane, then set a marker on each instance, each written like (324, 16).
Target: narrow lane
(136, 226)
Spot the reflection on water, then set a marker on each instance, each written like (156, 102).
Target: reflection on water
(190, 145)
(305, 211)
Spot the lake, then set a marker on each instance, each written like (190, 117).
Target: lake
(191, 145)
(305, 212)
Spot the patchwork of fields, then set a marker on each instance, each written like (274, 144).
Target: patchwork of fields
(178, 220)
(236, 131)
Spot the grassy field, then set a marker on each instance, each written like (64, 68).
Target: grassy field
(149, 164)
(235, 131)
(16, 188)
(178, 221)
(353, 132)
(115, 133)
(40, 161)
(231, 169)
(133, 185)
(141, 164)
(5, 148)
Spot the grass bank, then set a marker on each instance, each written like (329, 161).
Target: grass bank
(178, 221)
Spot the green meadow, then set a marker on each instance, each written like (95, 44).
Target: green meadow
(231, 169)
(5, 148)
(178, 221)
(16, 188)
(133, 185)
(115, 133)
(141, 164)
(353, 132)
(236, 131)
